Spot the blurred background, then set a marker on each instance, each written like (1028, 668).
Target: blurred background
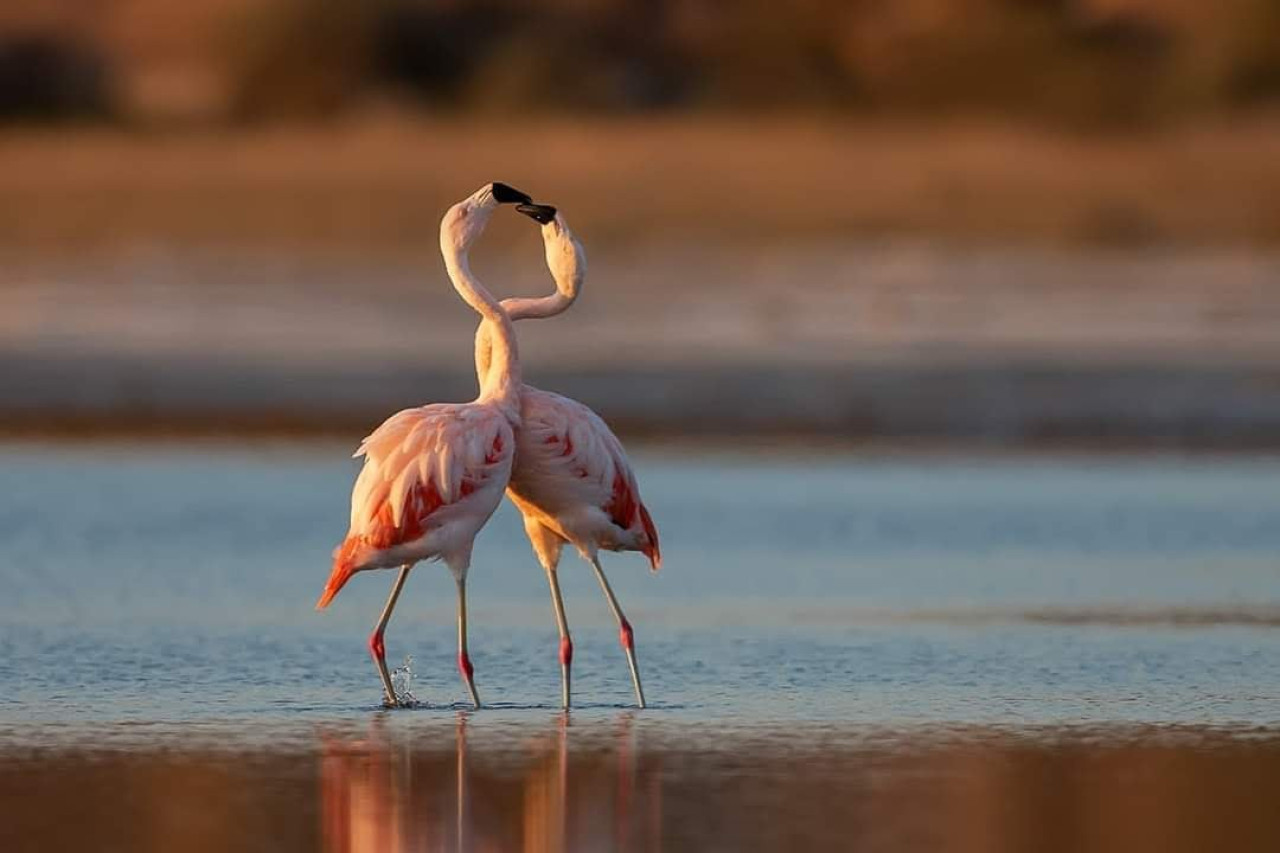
(843, 257)
(1001, 222)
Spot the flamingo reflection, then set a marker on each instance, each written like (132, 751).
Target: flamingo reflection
(546, 789)
(387, 791)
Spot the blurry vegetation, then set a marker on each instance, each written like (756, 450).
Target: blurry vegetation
(1085, 62)
(46, 78)
(298, 57)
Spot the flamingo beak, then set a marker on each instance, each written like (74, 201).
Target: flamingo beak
(540, 213)
(506, 194)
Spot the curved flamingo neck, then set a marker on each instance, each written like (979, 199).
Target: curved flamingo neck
(517, 308)
(501, 383)
(560, 246)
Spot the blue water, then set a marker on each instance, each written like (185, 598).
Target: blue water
(842, 651)
(174, 584)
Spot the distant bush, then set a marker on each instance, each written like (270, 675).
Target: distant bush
(43, 78)
(1079, 61)
(299, 57)
(528, 56)
(1035, 59)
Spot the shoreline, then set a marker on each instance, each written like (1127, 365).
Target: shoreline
(1018, 403)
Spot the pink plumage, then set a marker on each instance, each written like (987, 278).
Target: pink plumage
(432, 476)
(572, 474)
(571, 480)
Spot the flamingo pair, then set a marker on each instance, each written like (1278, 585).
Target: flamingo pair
(433, 475)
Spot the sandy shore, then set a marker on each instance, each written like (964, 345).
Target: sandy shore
(908, 343)
(375, 182)
(745, 279)
(998, 403)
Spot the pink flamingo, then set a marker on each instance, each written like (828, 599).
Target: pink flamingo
(571, 481)
(433, 475)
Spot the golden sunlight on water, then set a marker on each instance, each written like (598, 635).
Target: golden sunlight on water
(380, 796)
(623, 785)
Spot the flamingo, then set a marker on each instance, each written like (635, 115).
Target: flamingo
(571, 482)
(433, 475)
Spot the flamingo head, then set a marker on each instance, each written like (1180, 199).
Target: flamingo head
(565, 256)
(463, 222)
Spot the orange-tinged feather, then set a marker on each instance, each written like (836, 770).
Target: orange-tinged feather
(383, 532)
(625, 509)
(622, 505)
(343, 569)
(653, 552)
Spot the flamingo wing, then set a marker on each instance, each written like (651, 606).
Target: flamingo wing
(627, 511)
(419, 463)
(564, 446)
(570, 458)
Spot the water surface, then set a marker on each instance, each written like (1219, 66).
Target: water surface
(841, 651)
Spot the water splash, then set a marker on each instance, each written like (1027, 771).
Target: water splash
(402, 683)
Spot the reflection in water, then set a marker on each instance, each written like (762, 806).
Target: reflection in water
(379, 793)
(516, 781)
(546, 793)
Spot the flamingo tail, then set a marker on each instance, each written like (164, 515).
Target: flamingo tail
(344, 567)
(653, 552)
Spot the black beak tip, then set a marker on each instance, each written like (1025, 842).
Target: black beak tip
(507, 194)
(540, 213)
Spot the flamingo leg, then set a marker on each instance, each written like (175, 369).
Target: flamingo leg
(464, 661)
(377, 648)
(566, 642)
(625, 634)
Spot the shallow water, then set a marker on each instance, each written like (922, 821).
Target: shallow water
(840, 651)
